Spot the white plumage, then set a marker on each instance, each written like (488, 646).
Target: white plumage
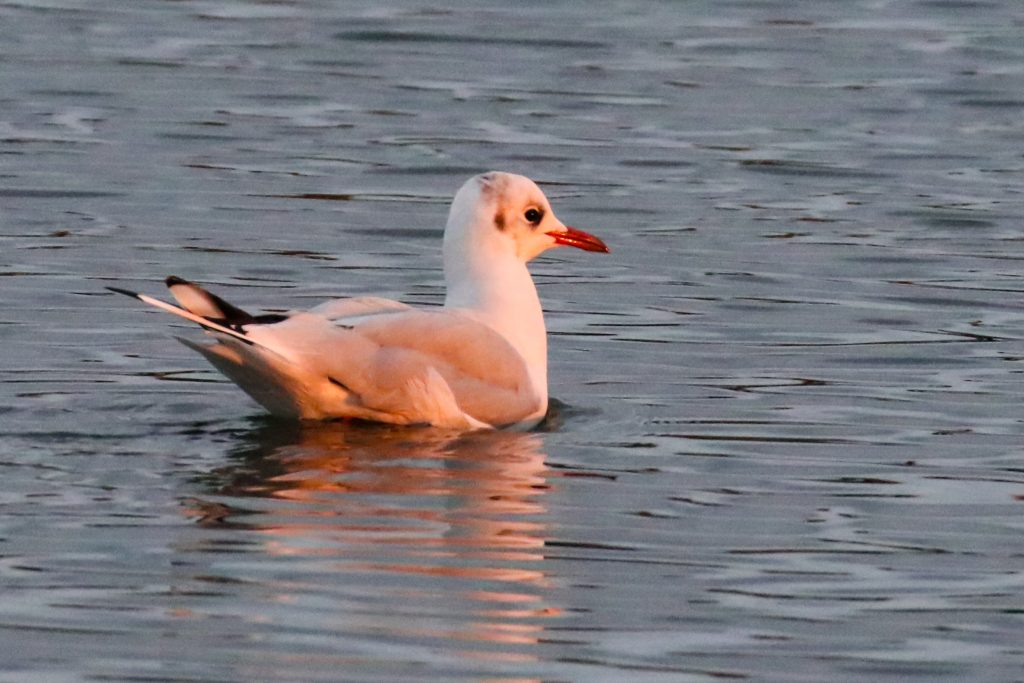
(478, 362)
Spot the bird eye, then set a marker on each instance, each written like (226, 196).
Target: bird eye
(533, 216)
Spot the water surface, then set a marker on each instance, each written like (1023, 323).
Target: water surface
(787, 443)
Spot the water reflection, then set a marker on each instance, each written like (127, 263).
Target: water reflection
(453, 519)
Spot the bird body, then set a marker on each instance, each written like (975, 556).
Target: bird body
(478, 362)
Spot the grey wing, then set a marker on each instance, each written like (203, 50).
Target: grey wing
(349, 311)
(487, 376)
(392, 358)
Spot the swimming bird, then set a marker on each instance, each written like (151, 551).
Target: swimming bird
(478, 362)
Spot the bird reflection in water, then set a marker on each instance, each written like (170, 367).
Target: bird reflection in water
(447, 516)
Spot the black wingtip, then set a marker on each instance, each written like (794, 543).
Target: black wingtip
(172, 280)
(126, 292)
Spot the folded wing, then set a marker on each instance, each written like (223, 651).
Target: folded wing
(419, 366)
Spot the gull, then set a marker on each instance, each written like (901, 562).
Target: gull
(478, 362)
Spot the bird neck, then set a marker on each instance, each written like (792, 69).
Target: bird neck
(500, 293)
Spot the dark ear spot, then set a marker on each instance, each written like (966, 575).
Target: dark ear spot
(499, 221)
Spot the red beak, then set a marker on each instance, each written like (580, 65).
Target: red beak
(579, 239)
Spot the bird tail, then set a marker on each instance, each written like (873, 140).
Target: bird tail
(203, 308)
(261, 371)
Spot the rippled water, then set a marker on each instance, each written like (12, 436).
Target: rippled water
(788, 445)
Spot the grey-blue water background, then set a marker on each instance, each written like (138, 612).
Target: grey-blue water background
(789, 446)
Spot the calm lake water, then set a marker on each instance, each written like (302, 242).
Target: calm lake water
(789, 443)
